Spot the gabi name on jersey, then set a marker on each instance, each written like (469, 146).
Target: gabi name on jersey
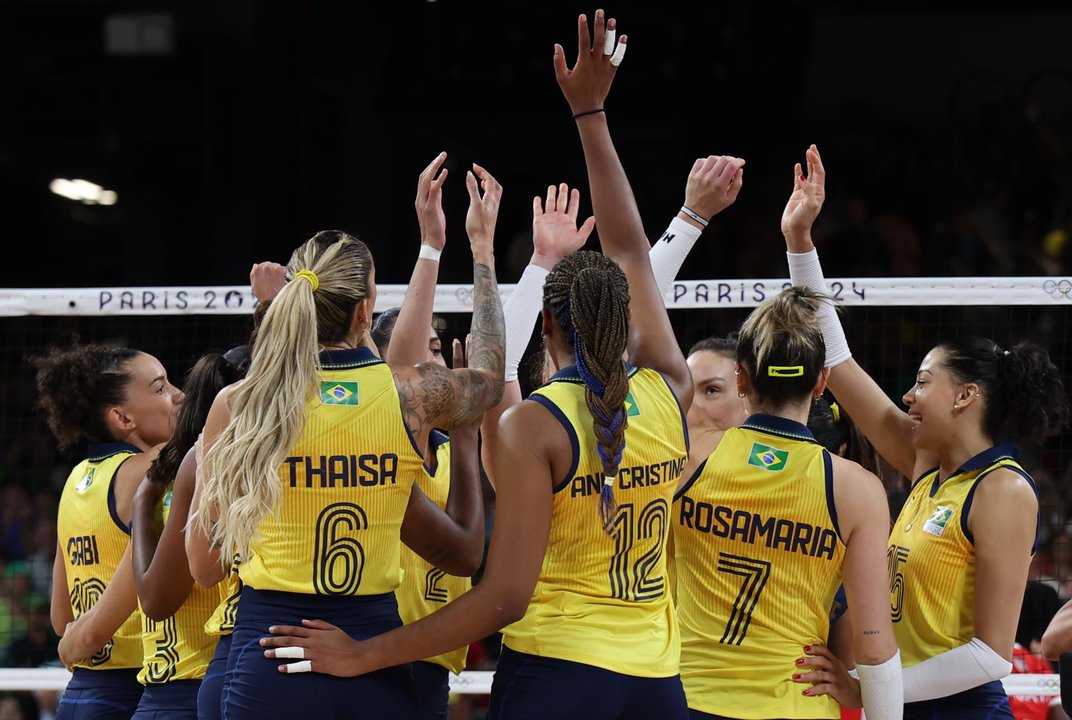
(753, 528)
(329, 471)
(630, 477)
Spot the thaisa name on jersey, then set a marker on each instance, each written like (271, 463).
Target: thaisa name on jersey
(753, 528)
(329, 471)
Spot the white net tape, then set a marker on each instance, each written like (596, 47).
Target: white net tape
(689, 294)
(476, 682)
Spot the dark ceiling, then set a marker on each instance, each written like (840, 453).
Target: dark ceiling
(231, 131)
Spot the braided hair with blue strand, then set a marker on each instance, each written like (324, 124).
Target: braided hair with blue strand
(589, 297)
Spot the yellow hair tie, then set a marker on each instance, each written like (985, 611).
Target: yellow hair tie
(309, 275)
(785, 370)
(835, 411)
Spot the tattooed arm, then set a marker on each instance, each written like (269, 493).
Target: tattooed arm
(435, 397)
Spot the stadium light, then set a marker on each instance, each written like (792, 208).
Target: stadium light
(83, 191)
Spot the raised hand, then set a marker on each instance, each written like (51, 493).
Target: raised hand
(804, 204)
(429, 203)
(554, 226)
(586, 85)
(483, 209)
(266, 279)
(713, 184)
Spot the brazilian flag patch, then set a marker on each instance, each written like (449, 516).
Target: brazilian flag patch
(167, 500)
(766, 457)
(339, 393)
(631, 408)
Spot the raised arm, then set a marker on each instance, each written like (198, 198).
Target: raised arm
(706, 195)
(409, 341)
(554, 236)
(161, 570)
(452, 538)
(881, 421)
(433, 396)
(207, 566)
(621, 233)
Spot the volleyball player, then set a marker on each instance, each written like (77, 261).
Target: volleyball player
(960, 549)
(585, 471)
(331, 545)
(119, 401)
(176, 647)
(716, 404)
(764, 531)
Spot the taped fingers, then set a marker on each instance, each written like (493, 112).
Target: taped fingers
(297, 667)
(293, 652)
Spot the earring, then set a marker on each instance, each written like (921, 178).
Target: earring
(956, 406)
(740, 394)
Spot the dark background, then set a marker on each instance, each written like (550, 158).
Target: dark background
(239, 128)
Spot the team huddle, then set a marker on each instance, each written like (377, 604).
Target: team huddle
(293, 532)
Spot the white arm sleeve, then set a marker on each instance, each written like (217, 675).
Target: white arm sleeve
(519, 313)
(669, 253)
(882, 689)
(954, 671)
(805, 270)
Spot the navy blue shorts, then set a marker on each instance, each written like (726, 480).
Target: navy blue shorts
(986, 702)
(100, 695)
(176, 700)
(254, 688)
(433, 690)
(531, 687)
(208, 695)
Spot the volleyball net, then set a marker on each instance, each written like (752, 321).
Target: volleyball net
(890, 324)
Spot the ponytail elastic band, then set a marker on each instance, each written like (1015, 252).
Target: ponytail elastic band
(835, 411)
(309, 275)
(608, 480)
(785, 370)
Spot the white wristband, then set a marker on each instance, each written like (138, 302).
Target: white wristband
(805, 270)
(429, 253)
(882, 688)
(519, 313)
(669, 253)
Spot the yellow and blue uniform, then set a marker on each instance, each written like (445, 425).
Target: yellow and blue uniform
(425, 588)
(92, 541)
(176, 651)
(331, 548)
(758, 560)
(601, 614)
(932, 563)
(219, 626)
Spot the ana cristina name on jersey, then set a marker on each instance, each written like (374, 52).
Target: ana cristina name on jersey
(630, 477)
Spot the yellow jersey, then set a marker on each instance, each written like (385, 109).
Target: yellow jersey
(222, 620)
(346, 485)
(931, 558)
(178, 648)
(602, 599)
(93, 539)
(758, 558)
(425, 588)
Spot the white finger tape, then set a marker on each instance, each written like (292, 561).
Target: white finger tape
(608, 43)
(297, 653)
(619, 53)
(299, 667)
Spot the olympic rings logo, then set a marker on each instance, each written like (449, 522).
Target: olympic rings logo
(1058, 288)
(465, 295)
(1049, 683)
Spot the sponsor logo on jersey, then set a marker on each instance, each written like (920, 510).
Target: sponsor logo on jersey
(935, 525)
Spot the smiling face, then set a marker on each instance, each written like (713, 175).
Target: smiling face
(930, 402)
(151, 407)
(715, 404)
